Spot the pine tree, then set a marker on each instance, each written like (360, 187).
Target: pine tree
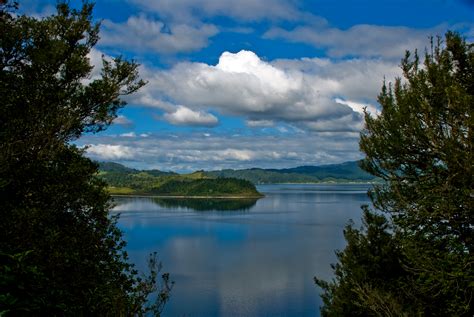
(60, 251)
(421, 146)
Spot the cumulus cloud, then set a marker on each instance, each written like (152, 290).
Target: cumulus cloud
(143, 34)
(110, 151)
(359, 40)
(192, 151)
(290, 91)
(186, 116)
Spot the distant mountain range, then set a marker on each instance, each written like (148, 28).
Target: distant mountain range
(344, 172)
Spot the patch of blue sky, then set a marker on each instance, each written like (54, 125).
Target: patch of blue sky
(294, 98)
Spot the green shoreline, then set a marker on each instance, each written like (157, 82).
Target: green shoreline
(186, 197)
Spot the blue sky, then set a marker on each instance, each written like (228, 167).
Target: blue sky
(254, 83)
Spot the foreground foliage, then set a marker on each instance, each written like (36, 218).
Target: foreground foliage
(419, 260)
(60, 252)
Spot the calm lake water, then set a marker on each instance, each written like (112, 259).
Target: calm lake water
(244, 258)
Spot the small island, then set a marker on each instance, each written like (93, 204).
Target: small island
(127, 181)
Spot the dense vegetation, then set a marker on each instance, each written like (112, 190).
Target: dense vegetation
(417, 257)
(124, 180)
(340, 173)
(60, 251)
(208, 187)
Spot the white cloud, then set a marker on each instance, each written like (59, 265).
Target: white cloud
(360, 40)
(260, 123)
(110, 151)
(123, 121)
(351, 122)
(235, 155)
(359, 107)
(192, 151)
(186, 116)
(290, 91)
(129, 135)
(142, 34)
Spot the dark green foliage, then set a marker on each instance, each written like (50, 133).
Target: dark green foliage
(422, 147)
(368, 273)
(208, 187)
(60, 252)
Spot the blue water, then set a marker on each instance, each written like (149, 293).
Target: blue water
(253, 258)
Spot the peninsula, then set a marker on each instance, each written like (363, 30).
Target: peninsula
(127, 181)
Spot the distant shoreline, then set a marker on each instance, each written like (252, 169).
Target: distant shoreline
(321, 183)
(186, 197)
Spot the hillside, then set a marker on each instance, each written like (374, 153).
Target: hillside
(128, 181)
(216, 187)
(344, 172)
(125, 180)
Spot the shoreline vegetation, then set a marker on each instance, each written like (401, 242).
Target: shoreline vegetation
(186, 197)
(227, 184)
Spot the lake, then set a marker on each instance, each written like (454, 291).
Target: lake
(244, 258)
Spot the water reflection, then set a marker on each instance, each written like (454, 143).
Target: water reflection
(257, 260)
(203, 204)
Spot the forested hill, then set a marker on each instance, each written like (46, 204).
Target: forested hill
(119, 168)
(344, 172)
(128, 181)
(125, 180)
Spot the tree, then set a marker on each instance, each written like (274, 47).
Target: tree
(61, 253)
(368, 273)
(421, 145)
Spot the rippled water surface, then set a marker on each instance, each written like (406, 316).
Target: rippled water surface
(244, 258)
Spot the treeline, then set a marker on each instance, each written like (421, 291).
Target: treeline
(337, 173)
(208, 187)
